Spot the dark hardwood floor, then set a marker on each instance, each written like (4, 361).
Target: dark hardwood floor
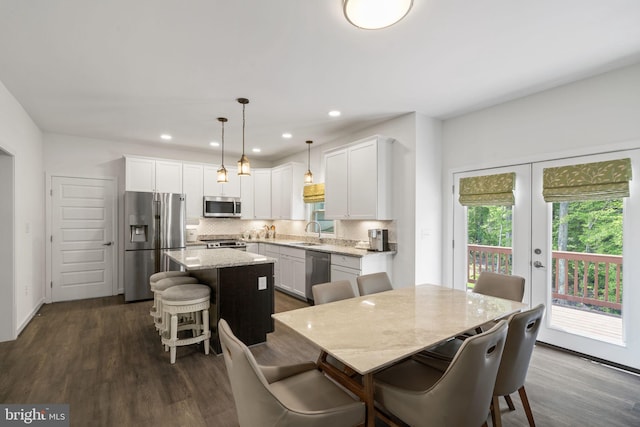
(104, 358)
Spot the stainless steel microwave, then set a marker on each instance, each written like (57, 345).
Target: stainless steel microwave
(221, 207)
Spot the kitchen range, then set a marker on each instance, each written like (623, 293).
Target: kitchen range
(225, 243)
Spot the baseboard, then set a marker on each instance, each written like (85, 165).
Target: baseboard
(30, 317)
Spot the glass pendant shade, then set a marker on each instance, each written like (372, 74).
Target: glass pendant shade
(375, 14)
(223, 175)
(244, 168)
(308, 177)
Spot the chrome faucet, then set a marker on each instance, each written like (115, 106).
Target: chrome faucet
(318, 226)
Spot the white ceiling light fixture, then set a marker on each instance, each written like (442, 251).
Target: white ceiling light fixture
(166, 137)
(287, 135)
(244, 168)
(334, 113)
(223, 175)
(375, 14)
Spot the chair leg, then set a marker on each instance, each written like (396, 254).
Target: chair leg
(174, 337)
(512, 407)
(205, 329)
(495, 412)
(527, 407)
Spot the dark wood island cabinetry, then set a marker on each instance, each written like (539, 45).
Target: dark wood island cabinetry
(242, 287)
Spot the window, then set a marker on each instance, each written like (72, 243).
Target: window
(315, 212)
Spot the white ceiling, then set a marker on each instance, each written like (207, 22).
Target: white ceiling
(133, 69)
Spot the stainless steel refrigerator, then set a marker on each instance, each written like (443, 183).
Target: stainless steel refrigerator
(154, 222)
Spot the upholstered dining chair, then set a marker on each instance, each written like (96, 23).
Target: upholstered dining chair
(518, 348)
(422, 396)
(286, 396)
(373, 283)
(332, 291)
(497, 285)
(324, 293)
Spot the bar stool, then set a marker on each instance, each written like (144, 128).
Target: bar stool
(153, 279)
(182, 299)
(158, 289)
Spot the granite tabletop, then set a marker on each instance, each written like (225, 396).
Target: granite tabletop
(202, 259)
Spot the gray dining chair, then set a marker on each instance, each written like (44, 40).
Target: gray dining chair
(497, 285)
(518, 348)
(324, 293)
(332, 291)
(422, 396)
(284, 396)
(373, 283)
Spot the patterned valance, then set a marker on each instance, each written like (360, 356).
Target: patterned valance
(488, 190)
(590, 181)
(313, 193)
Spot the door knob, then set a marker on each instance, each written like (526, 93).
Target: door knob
(538, 264)
(107, 244)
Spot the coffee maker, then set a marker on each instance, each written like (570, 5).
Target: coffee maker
(379, 239)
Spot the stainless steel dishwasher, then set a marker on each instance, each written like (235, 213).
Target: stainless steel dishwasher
(317, 270)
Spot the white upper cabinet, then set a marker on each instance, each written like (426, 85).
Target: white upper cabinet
(286, 192)
(162, 176)
(214, 188)
(192, 187)
(358, 180)
(256, 194)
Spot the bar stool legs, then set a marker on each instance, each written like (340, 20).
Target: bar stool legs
(182, 299)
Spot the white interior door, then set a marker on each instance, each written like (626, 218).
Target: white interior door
(582, 327)
(518, 252)
(83, 238)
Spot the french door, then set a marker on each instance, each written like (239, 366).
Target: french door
(592, 299)
(503, 252)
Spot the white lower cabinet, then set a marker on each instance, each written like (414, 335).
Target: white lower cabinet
(292, 270)
(273, 251)
(253, 248)
(345, 267)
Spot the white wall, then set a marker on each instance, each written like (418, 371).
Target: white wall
(20, 137)
(593, 115)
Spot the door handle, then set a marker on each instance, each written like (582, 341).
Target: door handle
(538, 264)
(107, 244)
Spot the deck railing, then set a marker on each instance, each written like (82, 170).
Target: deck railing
(594, 280)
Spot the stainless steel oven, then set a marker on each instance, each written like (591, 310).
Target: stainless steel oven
(226, 243)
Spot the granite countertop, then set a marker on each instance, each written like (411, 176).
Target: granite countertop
(321, 247)
(202, 259)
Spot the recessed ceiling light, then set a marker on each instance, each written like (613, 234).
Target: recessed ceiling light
(286, 135)
(256, 150)
(214, 144)
(166, 137)
(335, 113)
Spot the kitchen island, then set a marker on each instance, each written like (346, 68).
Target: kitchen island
(241, 289)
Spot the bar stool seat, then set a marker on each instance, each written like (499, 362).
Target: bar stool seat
(158, 289)
(153, 279)
(182, 299)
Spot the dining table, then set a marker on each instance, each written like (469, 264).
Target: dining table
(372, 332)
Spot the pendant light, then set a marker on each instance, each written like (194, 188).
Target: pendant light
(308, 177)
(375, 14)
(223, 175)
(244, 168)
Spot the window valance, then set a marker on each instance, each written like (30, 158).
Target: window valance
(488, 190)
(589, 181)
(313, 193)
